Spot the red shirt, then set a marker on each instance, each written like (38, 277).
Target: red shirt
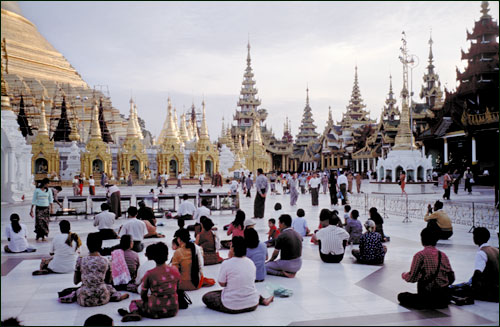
(273, 233)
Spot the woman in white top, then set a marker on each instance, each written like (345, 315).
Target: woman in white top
(64, 251)
(17, 236)
(237, 276)
(91, 185)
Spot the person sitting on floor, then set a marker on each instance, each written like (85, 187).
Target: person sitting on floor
(332, 239)
(99, 319)
(17, 237)
(144, 268)
(299, 224)
(483, 285)
(147, 215)
(371, 251)
(64, 251)
(122, 258)
(236, 276)
(289, 243)
(207, 240)
(186, 209)
(134, 227)
(94, 272)
(200, 212)
(236, 228)
(431, 269)
(104, 222)
(354, 228)
(161, 282)
(439, 221)
(273, 232)
(257, 252)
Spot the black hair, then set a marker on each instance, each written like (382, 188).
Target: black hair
(277, 206)
(94, 242)
(142, 204)
(104, 206)
(480, 235)
(58, 188)
(286, 220)
(207, 223)
(125, 242)
(180, 222)
(334, 220)
(335, 212)
(185, 197)
(428, 237)
(354, 214)
(132, 211)
(251, 238)
(12, 321)
(239, 220)
(99, 320)
(272, 220)
(200, 190)
(347, 208)
(64, 226)
(260, 171)
(44, 182)
(204, 202)
(184, 236)
(152, 190)
(14, 221)
(438, 205)
(158, 252)
(325, 214)
(239, 246)
(301, 213)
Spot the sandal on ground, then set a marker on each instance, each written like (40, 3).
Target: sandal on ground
(131, 317)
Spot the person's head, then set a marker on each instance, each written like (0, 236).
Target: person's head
(64, 226)
(185, 197)
(347, 208)
(373, 211)
(180, 223)
(200, 190)
(132, 212)
(354, 214)
(370, 225)
(149, 251)
(99, 320)
(206, 223)
(251, 238)
(104, 206)
(335, 212)
(239, 246)
(428, 237)
(260, 171)
(204, 202)
(277, 206)
(271, 222)
(324, 217)
(239, 219)
(14, 221)
(480, 235)
(285, 221)
(58, 188)
(142, 204)
(468, 168)
(12, 321)
(301, 213)
(126, 242)
(158, 253)
(438, 205)
(209, 190)
(183, 236)
(44, 183)
(94, 242)
(334, 220)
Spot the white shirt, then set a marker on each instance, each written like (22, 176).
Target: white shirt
(134, 227)
(104, 220)
(239, 275)
(299, 224)
(481, 259)
(143, 269)
(202, 177)
(315, 182)
(91, 182)
(18, 241)
(331, 238)
(112, 189)
(65, 256)
(186, 208)
(342, 180)
(179, 176)
(234, 186)
(200, 212)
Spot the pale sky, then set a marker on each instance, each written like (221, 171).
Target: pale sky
(187, 50)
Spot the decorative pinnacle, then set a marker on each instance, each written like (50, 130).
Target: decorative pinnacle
(43, 122)
(307, 94)
(390, 85)
(484, 10)
(431, 57)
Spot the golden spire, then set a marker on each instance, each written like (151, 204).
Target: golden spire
(176, 121)
(42, 130)
(203, 129)
(245, 141)
(189, 129)
(183, 134)
(136, 122)
(240, 147)
(256, 137)
(95, 129)
(170, 132)
(132, 128)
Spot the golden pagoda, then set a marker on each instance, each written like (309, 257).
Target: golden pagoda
(170, 157)
(256, 155)
(205, 159)
(132, 157)
(97, 157)
(45, 159)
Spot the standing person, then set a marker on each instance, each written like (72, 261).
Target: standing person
(431, 269)
(350, 178)
(249, 185)
(104, 222)
(289, 243)
(455, 180)
(129, 180)
(260, 198)
(314, 184)
(179, 180)
(447, 185)
(104, 179)
(332, 184)
(135, 228)
(158, 180)
(55, 192)
(342, 184)
(17, 237)
(468, 178)
(371, 251)
(81, 179)
(165, 181)
(331, 239)
(75, 184)
(91, 185)
(201, 179)
(402, 181)
(186, 209)
(359, 180)
(114, 198)
(272, 180)
(292, 186)
(302, 183)
(324, 182)
(42, 199)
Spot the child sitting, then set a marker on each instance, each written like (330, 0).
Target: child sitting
(273, 233)
(354, 228)
(299, 224)
(347, 208)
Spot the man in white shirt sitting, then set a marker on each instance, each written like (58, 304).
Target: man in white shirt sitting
(104, 222)
(332, 240)
(134, 227)
(200, 212)
(186, 209)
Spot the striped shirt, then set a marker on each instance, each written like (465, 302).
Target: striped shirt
(331, 238)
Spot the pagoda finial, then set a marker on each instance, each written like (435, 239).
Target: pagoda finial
(431, 57)
(485, 10)
(390, 86)
(95, 129)
(330, 119)
(248, 47)
(307, 94)
(131, 127)
(204, 128)
(42, 130)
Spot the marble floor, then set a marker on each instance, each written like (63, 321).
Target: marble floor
(323, 294)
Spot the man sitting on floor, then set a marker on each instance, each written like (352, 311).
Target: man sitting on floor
(104, 222)
(332, 240)
(289, 242)
(439, 221)
(134, 227)
(432, 271)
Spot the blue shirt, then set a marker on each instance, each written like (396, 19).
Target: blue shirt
(299, 224)
(258, 256)
(42, 198)
(354, 229)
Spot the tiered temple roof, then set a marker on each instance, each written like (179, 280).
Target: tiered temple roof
(356, 113)
(307, 129)
(431, 90)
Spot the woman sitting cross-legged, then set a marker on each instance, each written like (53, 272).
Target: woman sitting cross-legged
(95, 274)
(124, 264)
(161, 283)
(17, 236)
(206, 239)
(371, 251)
(63, 250)
(236, 276)
(257, 252)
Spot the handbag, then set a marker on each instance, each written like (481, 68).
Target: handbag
(472, 181)
(184, 299)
